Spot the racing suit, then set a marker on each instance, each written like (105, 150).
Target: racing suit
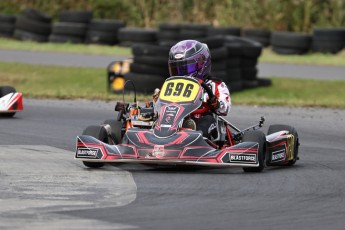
(220, 105)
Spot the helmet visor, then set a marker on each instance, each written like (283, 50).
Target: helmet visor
(181, 68)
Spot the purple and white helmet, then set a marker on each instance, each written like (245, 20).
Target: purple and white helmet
(189, 57)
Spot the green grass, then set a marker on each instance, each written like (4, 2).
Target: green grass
(295, 92)
(311, 58)
(12, 44)
(90, 83)
(267, 54)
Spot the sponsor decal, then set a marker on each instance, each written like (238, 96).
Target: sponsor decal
(212, 127)
(87, 152)
(242, 158)
(171, 109)
(278, 155)
(179, 56)
(157, 152)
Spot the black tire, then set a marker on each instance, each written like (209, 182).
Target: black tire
(137, 34)
(33, 26)
(233, 74)
(167, 35)
(150, 50)
(219, 75)
(219, 65)
(288, 51)
(249, 74)
(252, 32)
(233, 62)
(75, 16)
(148, 69)
(165, 26)
(69, 28)
(220, 53)
(147, 82)
(213, 42)
(6, 27)
(264, 82)
(6, 18)
(28, 36)
(234, 86)
(98, 132)
(191, 34)
(234, 49)
(328, 46)
(329, 34)
(242, 47)
(36, 15)
(106, 25)
(263, 41)
(249, 62)
(101, 37)
(259, 137)
(234, 31)
(4, 90)
(152, 60)
(291, 40)
(292, 130)
(116, 129)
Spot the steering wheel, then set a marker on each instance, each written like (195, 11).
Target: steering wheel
(205, 107)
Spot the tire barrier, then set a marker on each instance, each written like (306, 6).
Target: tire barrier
(290, 42)
(260, 35)
(130, 35)
(71, 27)
(32, 25)
(328, 40)
(80, 27)
(234, 60)
(7, 23)
(104, 31)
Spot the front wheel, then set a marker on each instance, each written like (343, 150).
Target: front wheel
(291, 130)
(98, 132)
(260, 138)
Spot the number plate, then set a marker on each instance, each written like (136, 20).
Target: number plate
(179, 90)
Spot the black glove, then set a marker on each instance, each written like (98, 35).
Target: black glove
(213, 102)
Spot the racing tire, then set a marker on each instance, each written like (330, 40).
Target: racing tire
(259, 137)
(116, 129)
(98, 132)
(4, 90)
(292, 130)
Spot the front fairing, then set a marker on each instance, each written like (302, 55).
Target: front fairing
(179, 97)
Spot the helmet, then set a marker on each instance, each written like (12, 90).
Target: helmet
(189, 57)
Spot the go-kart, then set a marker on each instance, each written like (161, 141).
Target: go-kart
(158, 135)
(10, 101)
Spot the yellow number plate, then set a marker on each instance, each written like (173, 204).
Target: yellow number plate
(179, 90)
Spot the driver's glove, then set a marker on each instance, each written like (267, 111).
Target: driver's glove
(213, 102)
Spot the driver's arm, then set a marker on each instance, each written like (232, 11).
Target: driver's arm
(222, 101)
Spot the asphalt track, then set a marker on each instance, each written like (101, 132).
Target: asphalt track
(43, 187)
(102, 61)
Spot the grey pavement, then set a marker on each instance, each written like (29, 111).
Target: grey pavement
(102, 61)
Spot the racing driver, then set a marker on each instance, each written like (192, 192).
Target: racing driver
(192, 58)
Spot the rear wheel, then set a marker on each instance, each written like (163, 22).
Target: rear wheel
(292, 130)
(260, 138)
(4, 90)
(98, 132)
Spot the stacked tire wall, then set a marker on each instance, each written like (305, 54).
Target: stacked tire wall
(149, 68)
(32, 25)
(7, 23)
(71, 27)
